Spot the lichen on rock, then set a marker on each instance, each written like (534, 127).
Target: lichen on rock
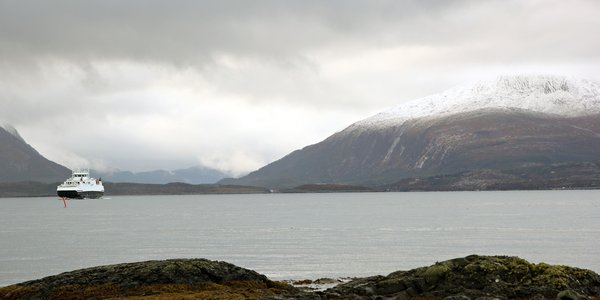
(472, 277)
(475, 276)
(213, 279)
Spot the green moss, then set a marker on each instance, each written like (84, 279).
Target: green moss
(557, 276)
(487, 265)
(436, 272)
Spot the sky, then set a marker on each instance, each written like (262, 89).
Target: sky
(233, 85)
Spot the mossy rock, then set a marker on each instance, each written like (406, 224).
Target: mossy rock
(214, 279)
(562, 277)
(474, 277)
(482, 276)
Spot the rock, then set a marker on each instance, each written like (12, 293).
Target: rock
(471, 277)
(436, 272)
(392, 286)
(570, 295)
(457, 297)
(327, 281)
(145, 278)
(302, 282)
(317, 285)
(480, 277)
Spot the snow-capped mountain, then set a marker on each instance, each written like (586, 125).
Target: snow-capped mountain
(501, 124)
(565, 96)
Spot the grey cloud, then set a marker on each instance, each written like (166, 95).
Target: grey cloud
(184, 32)
(313, 63)
(194, 32)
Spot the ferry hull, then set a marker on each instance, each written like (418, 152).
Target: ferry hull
(80, 195)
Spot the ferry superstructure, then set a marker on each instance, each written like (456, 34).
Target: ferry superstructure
(81, 186)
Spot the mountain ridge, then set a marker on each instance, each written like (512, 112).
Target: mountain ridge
(390, 146)
(566, 96)
(19, 161)
(191, 175)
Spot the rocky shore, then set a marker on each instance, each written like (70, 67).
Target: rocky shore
(471, 277)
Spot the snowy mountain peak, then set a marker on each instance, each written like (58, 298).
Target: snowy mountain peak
(559, 95)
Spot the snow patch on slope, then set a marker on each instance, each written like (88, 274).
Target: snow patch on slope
(564, 96)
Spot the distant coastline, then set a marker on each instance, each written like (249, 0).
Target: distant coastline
(38, 189)
(481, 180)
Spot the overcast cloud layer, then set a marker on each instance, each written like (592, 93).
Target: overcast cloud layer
(141, 85)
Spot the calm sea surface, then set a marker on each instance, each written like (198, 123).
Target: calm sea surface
(297, 236)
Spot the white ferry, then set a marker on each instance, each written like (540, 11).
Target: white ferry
(80, 186)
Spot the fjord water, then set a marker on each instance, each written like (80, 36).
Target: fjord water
(287, 236)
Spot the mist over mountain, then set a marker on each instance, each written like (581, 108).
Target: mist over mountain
(21, 162)
(192, 175)
(510, 122)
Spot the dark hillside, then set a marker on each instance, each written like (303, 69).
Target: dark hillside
(20, 162)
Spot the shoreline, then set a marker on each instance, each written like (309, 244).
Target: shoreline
(470, 277)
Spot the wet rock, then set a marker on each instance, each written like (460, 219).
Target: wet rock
(457, 297)
(570, 295)
(327, 281)
(302, 282)
(316, 285)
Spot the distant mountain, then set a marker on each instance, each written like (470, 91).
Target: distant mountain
(20, 162)
(193, 175)
(510, 122)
